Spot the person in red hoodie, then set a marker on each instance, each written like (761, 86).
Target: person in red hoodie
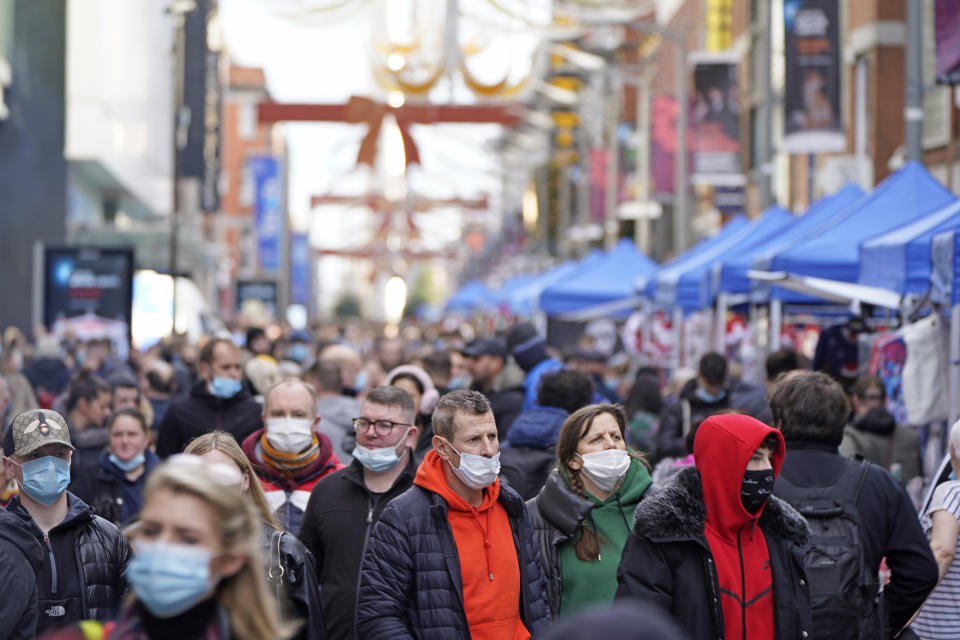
(454, 556)
(715, 548)
(289, 454)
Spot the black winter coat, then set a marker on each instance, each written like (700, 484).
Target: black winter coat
(671, 436)
(667, 561)
(291, 568)
(335, 528)
(21, 558)
(890, 525)
(556, 514)
(108, 494)
(101, 554)
(410, 584)
(202, 412)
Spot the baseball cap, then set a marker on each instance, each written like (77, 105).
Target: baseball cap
(38, 427)
(485, 347)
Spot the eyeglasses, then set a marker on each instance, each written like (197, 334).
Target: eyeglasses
(380, 427)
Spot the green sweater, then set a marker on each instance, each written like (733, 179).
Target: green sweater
(595, 582)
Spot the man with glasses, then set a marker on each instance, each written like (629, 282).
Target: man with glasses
(345, 505)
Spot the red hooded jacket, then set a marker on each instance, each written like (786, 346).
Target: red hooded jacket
(722, 448)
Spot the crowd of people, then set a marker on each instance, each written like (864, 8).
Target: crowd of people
(452, 483)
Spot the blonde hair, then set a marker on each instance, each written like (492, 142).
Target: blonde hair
(226, 444)
(245, 596)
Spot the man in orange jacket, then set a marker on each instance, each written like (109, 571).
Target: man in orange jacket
(454, 556)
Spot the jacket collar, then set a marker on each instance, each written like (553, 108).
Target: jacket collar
(78, 513)
(677, 512)
(561, 507)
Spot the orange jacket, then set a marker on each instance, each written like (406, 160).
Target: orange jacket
(489, 569)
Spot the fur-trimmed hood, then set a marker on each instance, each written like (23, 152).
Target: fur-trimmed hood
(677, 511)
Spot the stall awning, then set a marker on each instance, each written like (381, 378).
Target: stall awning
(836, 291)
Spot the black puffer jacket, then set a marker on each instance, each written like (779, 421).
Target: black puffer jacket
(100, 551)
(556, 514)
(667, 560)
(410, 585)
(202, 412)
(20, 561)
(290, 568)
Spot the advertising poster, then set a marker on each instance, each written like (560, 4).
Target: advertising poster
(257, 296)
(946, 26)
(299, 269)
(812, 90)
(267, 211)
(88, 292)
(716, 120)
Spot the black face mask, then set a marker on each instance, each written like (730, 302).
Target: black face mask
(756, 488)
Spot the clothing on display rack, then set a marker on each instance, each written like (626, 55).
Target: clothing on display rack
(925, 371)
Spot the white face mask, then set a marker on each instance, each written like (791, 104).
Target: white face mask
(476, 472)
(605, 468)
(290, 435)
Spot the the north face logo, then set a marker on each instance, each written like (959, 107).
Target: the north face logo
(56, 611)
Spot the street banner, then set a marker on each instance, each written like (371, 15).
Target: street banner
(299, 268)
(268, 214)
(88, 293)
(812, 90)
(946, 25)
(716, 120)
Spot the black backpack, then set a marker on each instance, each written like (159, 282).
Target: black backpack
(844, 591)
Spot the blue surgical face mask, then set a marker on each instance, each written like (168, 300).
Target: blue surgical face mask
(225, 388)
(298, 352)
(460, 382)
(45, 479)
(377, 460)
(170, 578)
(709, 397)
(130, 464)
(361, 381)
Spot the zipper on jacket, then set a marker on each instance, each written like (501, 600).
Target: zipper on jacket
(743, 590)
(622, 514)
(53, 564)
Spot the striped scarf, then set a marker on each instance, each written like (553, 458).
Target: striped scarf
(289, 462)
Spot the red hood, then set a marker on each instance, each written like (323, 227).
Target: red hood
(721, 450)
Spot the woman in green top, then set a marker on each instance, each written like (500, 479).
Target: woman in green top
(584, 513)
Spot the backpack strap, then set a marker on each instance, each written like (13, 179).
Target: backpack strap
(847, 487)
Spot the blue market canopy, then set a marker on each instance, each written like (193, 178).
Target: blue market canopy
(819, 212)
(470, 297)
(688, 287)
(730, 232)
(900, 260)
(832, 250)
(605, 280)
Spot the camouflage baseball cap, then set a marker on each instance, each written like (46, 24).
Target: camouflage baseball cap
(36, 428)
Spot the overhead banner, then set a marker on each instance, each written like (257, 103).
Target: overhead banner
(946, 25)
(268, 214)
(812, 90)
(88, 293)
(202, 93)
(716, 120)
